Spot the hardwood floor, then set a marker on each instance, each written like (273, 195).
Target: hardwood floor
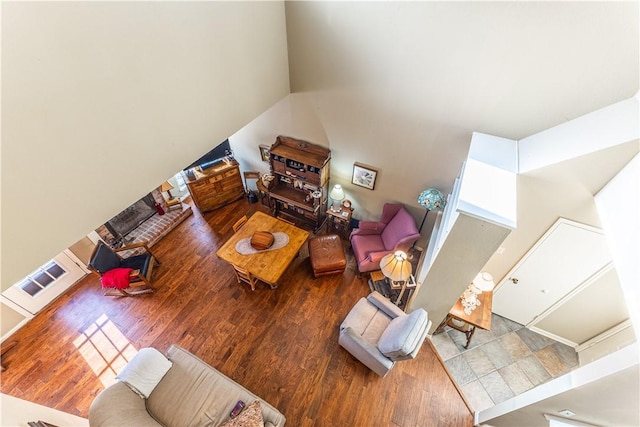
(281, 344)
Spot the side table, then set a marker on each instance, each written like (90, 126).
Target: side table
(467, 323)
(340, 221)
(398, 294)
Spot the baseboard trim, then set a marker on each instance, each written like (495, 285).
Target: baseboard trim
(464, 399)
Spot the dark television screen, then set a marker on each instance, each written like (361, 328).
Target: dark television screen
(223, 149)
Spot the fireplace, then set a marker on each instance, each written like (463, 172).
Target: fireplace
(130, 218)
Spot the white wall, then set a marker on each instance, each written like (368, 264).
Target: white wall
(18, 412)
(567, 188)
(619, 207)
(607, 127)
(603, 393)
(401, 86)
(102, 101)
(291, 116)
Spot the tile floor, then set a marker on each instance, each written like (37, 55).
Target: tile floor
(503, 362)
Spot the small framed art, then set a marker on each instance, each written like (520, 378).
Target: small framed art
(364, 176)
(264, 153)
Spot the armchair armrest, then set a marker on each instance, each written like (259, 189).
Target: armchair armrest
(365, 352)
(377, 256)
(133, 246)
(384, 304)
(369, 227)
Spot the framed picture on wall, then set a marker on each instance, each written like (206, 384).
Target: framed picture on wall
(364, 176)
(264, 153)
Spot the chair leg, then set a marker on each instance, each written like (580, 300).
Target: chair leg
(138, 291)
(113, 292)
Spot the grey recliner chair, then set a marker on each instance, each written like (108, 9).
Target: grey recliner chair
(378, 333)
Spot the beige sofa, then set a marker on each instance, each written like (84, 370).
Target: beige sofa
(191, 393)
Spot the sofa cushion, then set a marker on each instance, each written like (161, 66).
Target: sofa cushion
(251, 416)
(118, 405)
(403, 334)
(367, 321)
(195, 394)
(143, 373)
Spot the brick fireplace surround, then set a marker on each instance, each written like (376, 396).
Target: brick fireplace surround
(154, 228)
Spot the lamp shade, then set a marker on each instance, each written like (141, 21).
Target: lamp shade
(396, 267)
(337, 193)
(484, 282)
(431, 199)
(166, 186)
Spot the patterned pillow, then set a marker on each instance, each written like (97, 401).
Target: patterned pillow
(251, 416)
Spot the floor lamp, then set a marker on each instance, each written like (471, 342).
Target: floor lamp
(431, 199)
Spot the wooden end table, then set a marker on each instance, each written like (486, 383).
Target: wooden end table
(390, 290)
(467, 323)
(340, 221)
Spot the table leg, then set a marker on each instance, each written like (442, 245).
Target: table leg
(469, 334)
(442, 324)
(404, 286)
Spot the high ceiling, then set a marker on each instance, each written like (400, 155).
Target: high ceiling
(510, 69)
(415, 79)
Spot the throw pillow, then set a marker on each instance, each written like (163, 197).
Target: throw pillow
(143, 373)
(251, 416)
(403, 333)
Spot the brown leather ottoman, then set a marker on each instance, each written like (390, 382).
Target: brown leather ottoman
(326, 255)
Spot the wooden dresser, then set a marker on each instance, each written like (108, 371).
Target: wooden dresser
(215, 186)
(300, 189)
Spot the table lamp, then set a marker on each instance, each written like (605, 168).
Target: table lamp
(337, 194)
(483, 282)
(396, 267)
(166, 186)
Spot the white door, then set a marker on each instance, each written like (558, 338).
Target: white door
(567, 255)
(46, 283)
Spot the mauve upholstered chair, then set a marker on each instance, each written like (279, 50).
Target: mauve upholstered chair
(372, 240)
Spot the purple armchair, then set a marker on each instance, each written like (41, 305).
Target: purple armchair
(396, 231)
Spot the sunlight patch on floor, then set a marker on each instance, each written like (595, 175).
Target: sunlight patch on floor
(105, 349)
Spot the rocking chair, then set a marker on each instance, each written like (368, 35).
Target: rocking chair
(123, 276)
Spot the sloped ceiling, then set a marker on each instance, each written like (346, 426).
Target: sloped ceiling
(564, 190)
(402, 85)
(419, 77)
(510, 69)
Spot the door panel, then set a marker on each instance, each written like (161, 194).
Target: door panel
(567, 255)
(596, 308)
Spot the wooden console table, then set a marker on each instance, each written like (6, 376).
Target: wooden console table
(467, 323)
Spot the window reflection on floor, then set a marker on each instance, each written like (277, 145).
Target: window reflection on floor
(105, 349)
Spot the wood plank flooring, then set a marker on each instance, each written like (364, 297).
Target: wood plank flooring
(281, 344)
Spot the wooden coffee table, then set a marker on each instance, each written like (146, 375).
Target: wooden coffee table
(269, 265)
